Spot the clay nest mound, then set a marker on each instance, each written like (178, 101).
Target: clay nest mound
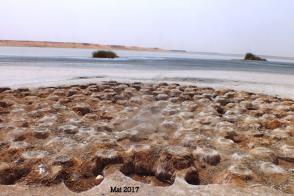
(104, 54)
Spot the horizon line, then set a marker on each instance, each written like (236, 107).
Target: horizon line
(129, 47)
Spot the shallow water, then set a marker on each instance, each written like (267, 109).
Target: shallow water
(54, 66)
(138, 60)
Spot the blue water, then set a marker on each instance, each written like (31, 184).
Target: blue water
(139, 60)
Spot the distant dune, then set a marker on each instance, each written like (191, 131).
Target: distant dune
(72, 45)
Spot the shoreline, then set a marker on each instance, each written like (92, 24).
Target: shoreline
(280, 85)
(51, 44)
(82, 135)
(78, 45)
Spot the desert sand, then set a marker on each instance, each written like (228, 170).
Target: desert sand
(19, 43)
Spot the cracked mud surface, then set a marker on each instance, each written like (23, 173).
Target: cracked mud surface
(152, 133)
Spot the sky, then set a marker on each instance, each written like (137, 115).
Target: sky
(225, 26)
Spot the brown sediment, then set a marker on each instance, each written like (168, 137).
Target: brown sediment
(18, 43)
(153, 133)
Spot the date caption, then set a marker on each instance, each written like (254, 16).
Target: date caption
(125, 189)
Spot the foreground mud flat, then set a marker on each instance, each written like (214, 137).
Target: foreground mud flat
(165, 136)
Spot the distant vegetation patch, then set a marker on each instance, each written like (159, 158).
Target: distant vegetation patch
(252, 57)
(104, 54)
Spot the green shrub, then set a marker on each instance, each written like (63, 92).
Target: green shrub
(104, 54)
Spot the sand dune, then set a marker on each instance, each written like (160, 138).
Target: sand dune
(72, 45)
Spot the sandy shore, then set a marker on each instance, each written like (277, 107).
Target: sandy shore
(18, 43)
(281, 85)
(164, 135)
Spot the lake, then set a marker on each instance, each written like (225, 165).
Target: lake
(33, 67)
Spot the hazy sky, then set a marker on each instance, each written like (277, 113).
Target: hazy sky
(229, 26)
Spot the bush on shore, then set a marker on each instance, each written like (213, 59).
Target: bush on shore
(104, 54)
(252, 57)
